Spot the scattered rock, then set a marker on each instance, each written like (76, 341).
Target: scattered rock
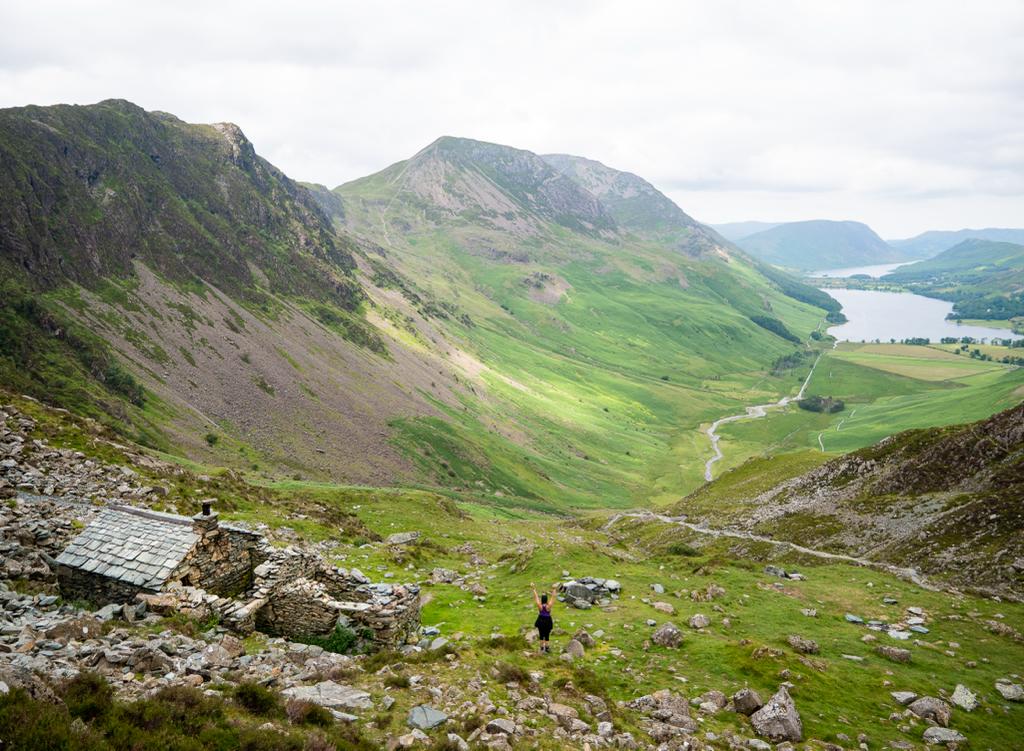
(667, 635)
(699, 621)
(746, 701)
(424, 717)
(778, 720)
(942, 736)
(575, 649)
(1010, 691)
(896, 654)
(501, 726)
(331, 695)
(930, 708)
(903, 697)
(964, 698)
(664, 607)
(803, 645)
(402, 538)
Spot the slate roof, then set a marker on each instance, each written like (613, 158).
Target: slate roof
(131, 545)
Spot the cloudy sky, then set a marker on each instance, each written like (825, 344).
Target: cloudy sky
(906, 115)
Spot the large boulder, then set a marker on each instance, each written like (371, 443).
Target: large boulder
(746, 701)
(331, 695)
(1010, 691)
(942, 736)
(964, 698)
(575, 590)
(930, 708)
(778, 720)
(402, 538)
(667, 635)
(424, 717)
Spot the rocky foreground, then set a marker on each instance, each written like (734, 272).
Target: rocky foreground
(447, 689)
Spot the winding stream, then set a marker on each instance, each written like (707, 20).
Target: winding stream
(751, 413)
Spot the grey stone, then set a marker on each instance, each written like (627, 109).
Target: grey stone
(1010, 691)
(851, 618)
(903, 697)
(667, 635)
(402, 538)
(746, 701)
(331, 695)
(896, 654)
(942, 736)
(108, 612)
(501, 726)
(778, 720)
(699, 621)
(964, 698)
(930, 708)
(424, 717)
(803, 645)
(575, 649)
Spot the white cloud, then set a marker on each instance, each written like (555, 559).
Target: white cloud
(905, 114)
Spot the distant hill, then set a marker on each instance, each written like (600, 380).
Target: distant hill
(736, 231)
(820, 244)
(930, 243)
(983, 279)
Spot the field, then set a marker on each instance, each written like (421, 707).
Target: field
(887, 388)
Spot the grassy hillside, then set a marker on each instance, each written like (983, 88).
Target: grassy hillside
(983, 279)
(820, 244)
(598, 353)
(488, 660)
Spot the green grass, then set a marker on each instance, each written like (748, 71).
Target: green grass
(879, 402)
(521, 546)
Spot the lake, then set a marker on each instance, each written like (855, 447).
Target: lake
(901, 315)
(875, 271)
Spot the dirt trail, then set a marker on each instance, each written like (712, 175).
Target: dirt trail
(908, 574)
(751, 413)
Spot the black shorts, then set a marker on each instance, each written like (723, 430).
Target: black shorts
(544, 626)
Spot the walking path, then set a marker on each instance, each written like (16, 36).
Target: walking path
(751, 413)
(908, 574)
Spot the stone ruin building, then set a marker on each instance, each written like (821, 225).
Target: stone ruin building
(201, 567)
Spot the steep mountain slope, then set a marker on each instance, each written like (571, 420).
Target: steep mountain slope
(604, 341)
(933, 242)
(984, 279)
(472, 317)
(636, 205)
(219, 282)
(820, 244)
(736, 231)
(947, 501)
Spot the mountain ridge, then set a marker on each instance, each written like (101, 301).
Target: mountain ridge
(933, 242)
(820, 244)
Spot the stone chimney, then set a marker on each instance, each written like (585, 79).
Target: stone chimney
(205, 521)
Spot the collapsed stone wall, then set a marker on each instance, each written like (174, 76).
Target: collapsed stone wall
(298, 594)
(223, 560)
